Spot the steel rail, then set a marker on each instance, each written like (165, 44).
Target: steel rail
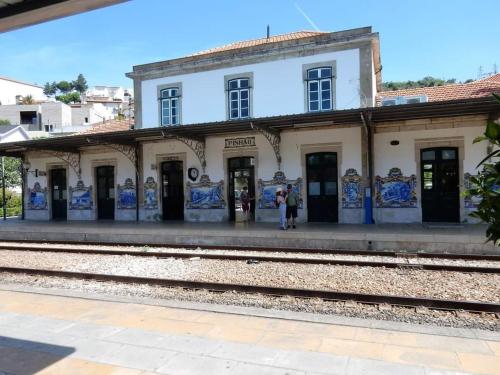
(383, 253)
(258, 258)
(431, 303)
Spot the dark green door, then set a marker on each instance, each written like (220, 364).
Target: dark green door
(440, 185)
(59, 194)
(172, 190)
(322, 187)
(106, 192)
(241, 174)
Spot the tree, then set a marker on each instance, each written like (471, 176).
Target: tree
(486, 184)
(47, 89)
(50, 89)
(427, 81)
(4, 122)
(64, 86)
(28, 99)
(80, 84)
(72, 97)
(12, 171)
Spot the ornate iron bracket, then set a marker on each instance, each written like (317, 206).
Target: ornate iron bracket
(198, 147)
(129, 151)
(273, 137)
(72, 158)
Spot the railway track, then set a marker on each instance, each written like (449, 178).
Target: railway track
(266, 258)
(385, 253)
(373, 299)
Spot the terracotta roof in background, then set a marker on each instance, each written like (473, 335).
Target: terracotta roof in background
(256, 42)
(480, 88)
(110, 126)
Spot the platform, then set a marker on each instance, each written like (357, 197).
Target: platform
(401, 237)
(97, 335)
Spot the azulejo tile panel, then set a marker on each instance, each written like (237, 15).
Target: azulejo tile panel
(127, 195)
(352, 191)
(80, 197)
(205, 194)
(396, 190)
(267, 190)
(150, 194)
(37, 197)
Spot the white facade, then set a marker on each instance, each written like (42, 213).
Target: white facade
(278, 88)
(12, 91)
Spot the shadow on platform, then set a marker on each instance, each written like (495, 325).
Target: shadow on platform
(29, 357)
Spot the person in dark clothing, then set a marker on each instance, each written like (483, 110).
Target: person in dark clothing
(292, 200)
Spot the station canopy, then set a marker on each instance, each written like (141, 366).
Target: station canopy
(15, 14)
(353, 117)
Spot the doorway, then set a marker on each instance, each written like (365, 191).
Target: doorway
(105, 192)
(322, 187)
(241, 173)
(440, 185)
(58, 194)
(172, 190)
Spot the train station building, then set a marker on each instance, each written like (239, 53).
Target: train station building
(304, 108)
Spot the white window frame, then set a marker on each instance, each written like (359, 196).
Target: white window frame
(166, 106)
(319, 81)
(238, 100)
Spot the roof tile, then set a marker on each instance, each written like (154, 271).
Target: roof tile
(480, 88)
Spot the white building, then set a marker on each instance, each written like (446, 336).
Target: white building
(115, 99)
(295, 109)
(13, 91)
(54, 117)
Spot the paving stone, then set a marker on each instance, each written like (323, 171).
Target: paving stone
(249, 369)
(246, 353)
(89, 330)
(141, 358)
(359, 366)
(95, 350)
(185, 364)
(311, 361)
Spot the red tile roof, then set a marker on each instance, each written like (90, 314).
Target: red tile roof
(256, 42)
(110, 126)
(480, 88)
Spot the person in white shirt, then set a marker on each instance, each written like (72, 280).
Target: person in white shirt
(281, 204)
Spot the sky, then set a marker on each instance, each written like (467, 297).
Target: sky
(441, 38)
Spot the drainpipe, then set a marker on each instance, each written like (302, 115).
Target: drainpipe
(4, 199)
(23, 188)
(366, 118)
(137, 182)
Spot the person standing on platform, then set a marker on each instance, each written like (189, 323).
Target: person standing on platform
(245, 203)
(281, 204)
(292, 200)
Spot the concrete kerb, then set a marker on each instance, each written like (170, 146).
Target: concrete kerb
(266, 313)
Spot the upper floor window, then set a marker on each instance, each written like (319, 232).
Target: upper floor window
(170, 106)
(319, 89)
(238, 98)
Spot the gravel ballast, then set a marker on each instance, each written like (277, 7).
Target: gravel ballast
(370, 280)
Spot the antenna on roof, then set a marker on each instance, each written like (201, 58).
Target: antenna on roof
(268, 32)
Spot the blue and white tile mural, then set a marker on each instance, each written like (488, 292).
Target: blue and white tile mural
(37, 197)
(205, 194)
(396, 190)
(352, 191)
(267, 190)
(469, 200)
(127, 198)
(150, 194)
(80, 197)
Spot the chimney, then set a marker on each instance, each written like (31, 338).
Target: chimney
(268, 31)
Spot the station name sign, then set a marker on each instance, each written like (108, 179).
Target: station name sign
(240, 142)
